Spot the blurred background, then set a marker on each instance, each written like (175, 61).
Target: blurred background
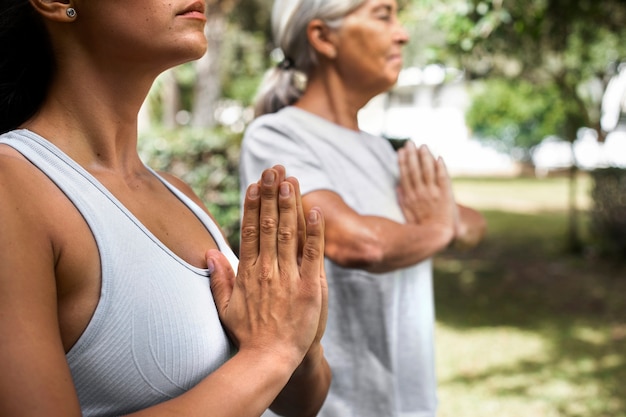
(526, 102)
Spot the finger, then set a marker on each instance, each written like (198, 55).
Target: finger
(312, 267)
(249, 246)
(445, 183)
(312, 270)
(222, 279)
(300, 213)
(287, 230)
(415, 182)
(280, 172)
(268, 215)
(324, 289)
(427, 164)
(443, 178)
(403, 164)
(282, 176)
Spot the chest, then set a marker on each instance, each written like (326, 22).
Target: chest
(365, 177)
(155, 320)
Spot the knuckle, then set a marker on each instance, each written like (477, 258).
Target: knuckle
(268, 224)
(249, 233)
(311, 252)
(265, 273)
(285, 234)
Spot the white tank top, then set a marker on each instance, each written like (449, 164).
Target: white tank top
(155, 332)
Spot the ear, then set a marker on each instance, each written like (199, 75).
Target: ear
(322, 38)
(55, 10)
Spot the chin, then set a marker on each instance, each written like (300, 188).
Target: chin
(199, 53)
(390, 82)
(192, 43)
(193, 51)
(199, 45)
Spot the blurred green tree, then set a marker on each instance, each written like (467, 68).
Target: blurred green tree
(513, 117)
(565, 50)
(563, 46)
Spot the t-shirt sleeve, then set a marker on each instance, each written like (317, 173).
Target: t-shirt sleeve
(265, 145)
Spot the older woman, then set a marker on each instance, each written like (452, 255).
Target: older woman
(118, 294)
(386, 213)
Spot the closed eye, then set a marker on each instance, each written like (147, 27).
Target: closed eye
(384, 13)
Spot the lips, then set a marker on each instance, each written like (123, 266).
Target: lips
(195, 7)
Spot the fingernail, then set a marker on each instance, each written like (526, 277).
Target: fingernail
(314, 216)
(268, 177)
(210, 266)
(253, 190)
(285, 190)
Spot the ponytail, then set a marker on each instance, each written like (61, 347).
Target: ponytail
(282, 86)
(26, 63)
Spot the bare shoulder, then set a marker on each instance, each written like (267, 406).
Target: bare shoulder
(28, 206)
(23, 184)
(36, 217)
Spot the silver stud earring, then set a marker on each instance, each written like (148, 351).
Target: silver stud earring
(71, 12)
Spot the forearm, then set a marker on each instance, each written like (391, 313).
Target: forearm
(244, 386)
(307, 388)
(380, 245)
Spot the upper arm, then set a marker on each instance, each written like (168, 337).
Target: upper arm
(35, 378)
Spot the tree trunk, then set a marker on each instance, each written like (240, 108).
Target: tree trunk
(574, 242)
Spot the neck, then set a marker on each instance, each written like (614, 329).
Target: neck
(92, 116)
(327, 96)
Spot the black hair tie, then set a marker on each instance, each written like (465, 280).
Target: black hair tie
(286, 63)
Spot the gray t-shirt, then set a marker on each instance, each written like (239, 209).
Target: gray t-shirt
(380, 334)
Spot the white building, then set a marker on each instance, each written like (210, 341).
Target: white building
(428, 106)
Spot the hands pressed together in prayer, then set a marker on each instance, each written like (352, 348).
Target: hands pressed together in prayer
(277, 301)
(425, 195)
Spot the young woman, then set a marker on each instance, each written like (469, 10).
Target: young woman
(118, 292)
(386, 214)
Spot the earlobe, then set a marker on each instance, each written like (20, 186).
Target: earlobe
(55, 10)
(321, 38)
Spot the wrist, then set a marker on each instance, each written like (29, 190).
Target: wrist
(281, 363)
(312, 360)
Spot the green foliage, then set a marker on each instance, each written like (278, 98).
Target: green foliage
(186, 76)
(514, 115)
(243, 64)
(563, 46)
(208, 161)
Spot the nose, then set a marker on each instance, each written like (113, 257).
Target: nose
(401, 35)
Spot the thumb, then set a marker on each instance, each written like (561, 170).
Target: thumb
(222, 279)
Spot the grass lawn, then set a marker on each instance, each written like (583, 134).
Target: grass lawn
(524, 328)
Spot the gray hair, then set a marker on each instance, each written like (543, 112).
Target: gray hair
(283, 85)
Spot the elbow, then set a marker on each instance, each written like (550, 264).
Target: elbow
(365, 255)
(471, 235)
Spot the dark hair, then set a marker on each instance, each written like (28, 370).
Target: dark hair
(26, 63)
